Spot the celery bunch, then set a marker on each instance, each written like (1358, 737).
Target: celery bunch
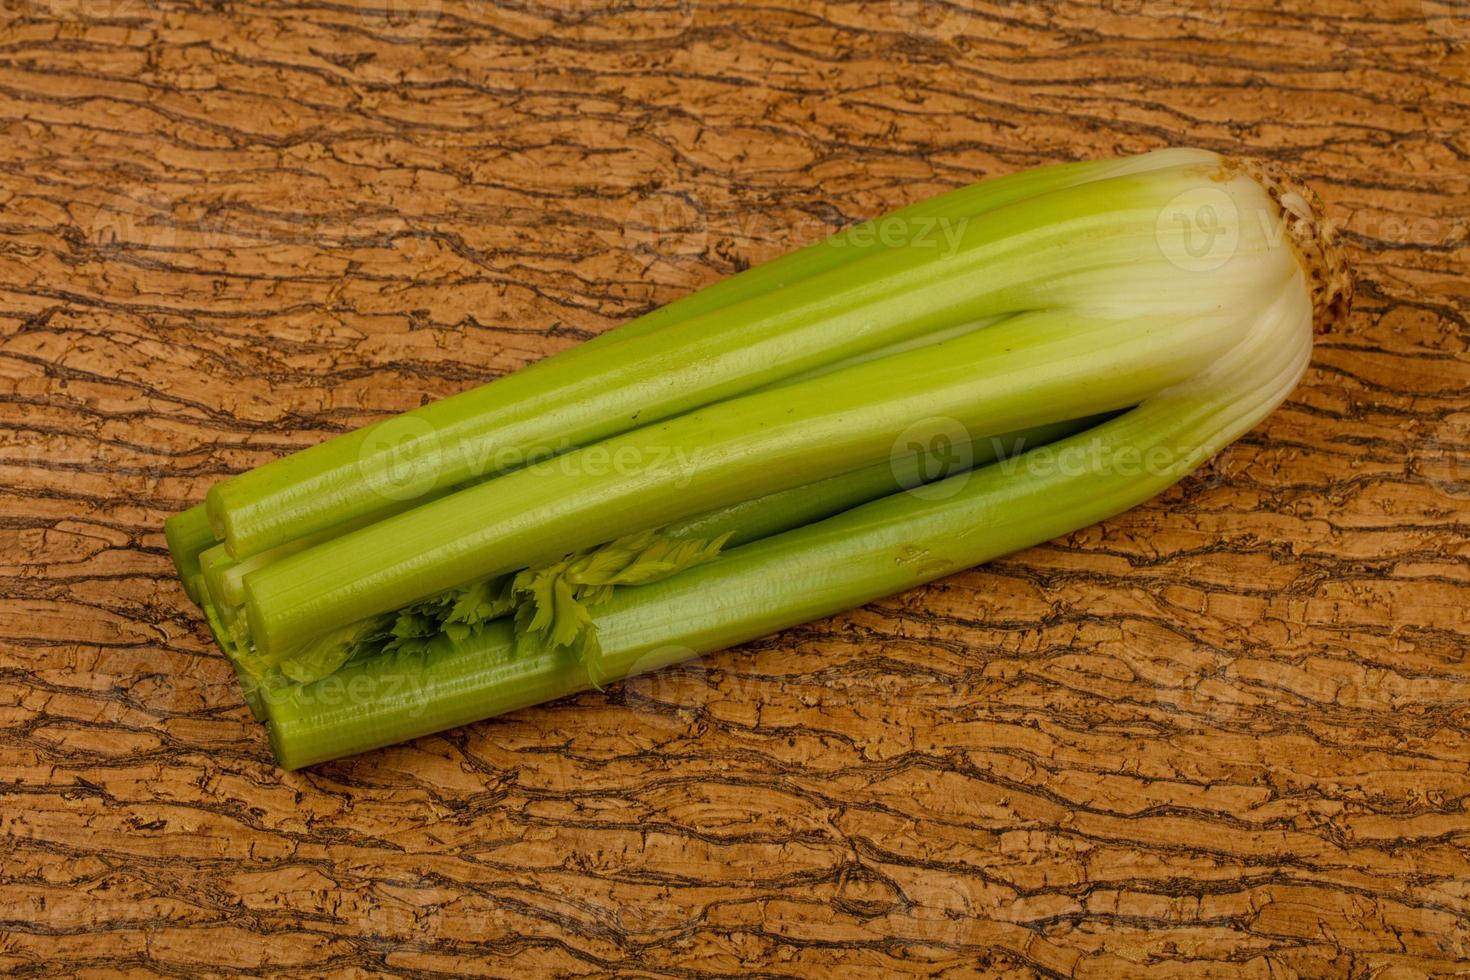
(853, 419)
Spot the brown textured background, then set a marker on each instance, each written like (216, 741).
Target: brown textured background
(1223, 735)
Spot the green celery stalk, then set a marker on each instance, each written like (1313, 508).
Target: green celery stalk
(857, 292)
(873, 550)
(194, 549)
(214, 563)
(231, 588)
(429, 571)
(223, 576)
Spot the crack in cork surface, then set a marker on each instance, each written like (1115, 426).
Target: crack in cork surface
(1221, 735)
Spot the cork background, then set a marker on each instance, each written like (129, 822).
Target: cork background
(1223, 735)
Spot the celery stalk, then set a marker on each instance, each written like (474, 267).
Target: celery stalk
(748, 520)
(249, 688)
(223, 575)
(1126, 318)
(214, 562)
(738, 462)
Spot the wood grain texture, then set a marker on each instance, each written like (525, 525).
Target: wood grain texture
(1224, 735)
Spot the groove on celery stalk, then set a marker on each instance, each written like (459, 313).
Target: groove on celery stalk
(575, 398)
(222, 578)
(750, 520)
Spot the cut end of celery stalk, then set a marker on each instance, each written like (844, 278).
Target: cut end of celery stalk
(189, 534)
(249, 689)
(1312, 237)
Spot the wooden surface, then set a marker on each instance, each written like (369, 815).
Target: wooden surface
(1223, 735)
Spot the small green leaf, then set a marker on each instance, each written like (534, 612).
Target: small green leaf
(552, 601)
(570, 618)
(325, 654)
(482, 601)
